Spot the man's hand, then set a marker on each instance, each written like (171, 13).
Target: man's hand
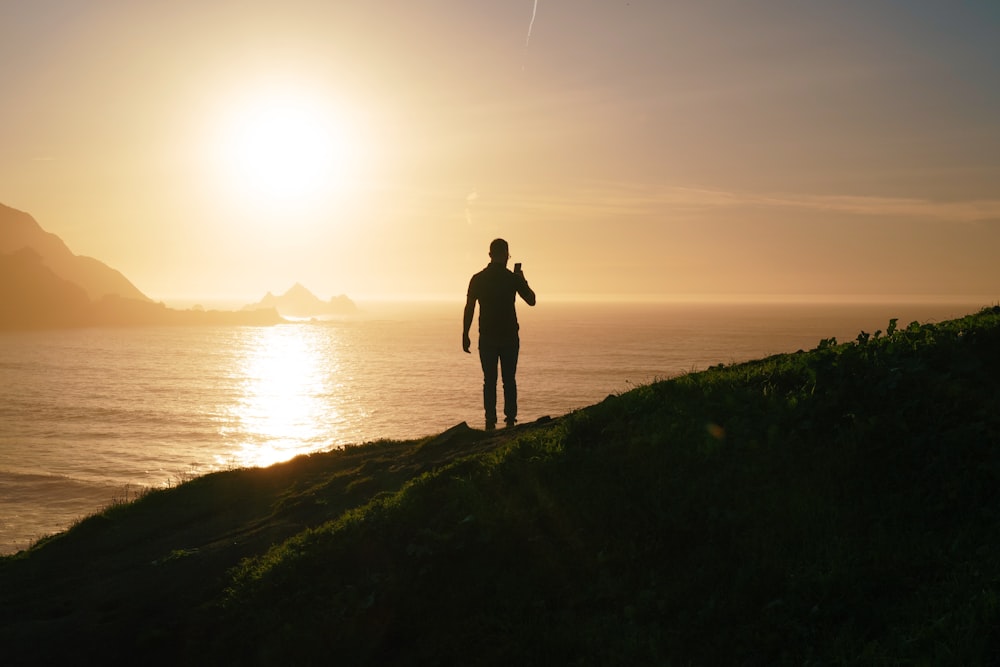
(466, 343)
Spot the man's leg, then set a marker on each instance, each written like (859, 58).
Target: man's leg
(488, 357)
(508, 370)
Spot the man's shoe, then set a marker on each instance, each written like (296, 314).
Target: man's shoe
(490, 426)
(510, 422)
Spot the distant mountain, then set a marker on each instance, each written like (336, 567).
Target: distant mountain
(32, 296)
(300, 302)
(44, 285)
(19, 230)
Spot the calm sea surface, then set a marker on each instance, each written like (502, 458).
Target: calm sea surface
(89, 416)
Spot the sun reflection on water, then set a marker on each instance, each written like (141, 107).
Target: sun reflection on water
(284, 407)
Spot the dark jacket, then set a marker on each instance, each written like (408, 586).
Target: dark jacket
(495, 288)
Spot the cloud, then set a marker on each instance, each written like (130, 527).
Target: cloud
(631, 200)
(974, 210)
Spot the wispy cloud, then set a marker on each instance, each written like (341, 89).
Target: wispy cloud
(609, 202)
(898, 207)
(627, 200)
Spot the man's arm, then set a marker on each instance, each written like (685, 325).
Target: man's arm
(524, 290)
(470, 310)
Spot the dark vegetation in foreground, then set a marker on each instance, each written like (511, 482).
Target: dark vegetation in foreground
(840, 506)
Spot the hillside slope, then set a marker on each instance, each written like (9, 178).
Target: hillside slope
(44, 285)
(19, 230)
(832, 507)
(32, 296)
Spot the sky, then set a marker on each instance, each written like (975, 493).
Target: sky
(626, 149)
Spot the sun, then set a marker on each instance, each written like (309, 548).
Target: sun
(286, 148)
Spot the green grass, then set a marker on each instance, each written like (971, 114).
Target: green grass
(837, 506)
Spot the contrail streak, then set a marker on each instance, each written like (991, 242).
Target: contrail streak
(531, 24)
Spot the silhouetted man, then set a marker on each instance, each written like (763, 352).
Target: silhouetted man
(495, 288)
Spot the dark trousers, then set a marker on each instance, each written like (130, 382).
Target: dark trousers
(506, 355)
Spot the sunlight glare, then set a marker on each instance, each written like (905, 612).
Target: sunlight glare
(285, 406)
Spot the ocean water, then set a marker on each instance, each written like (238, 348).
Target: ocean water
(90, 416)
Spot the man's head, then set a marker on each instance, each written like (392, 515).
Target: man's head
(499, 252)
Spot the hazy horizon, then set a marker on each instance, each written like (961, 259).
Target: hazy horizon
(628, 151)
(457, 300)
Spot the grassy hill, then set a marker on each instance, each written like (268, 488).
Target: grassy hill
(837, 506)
